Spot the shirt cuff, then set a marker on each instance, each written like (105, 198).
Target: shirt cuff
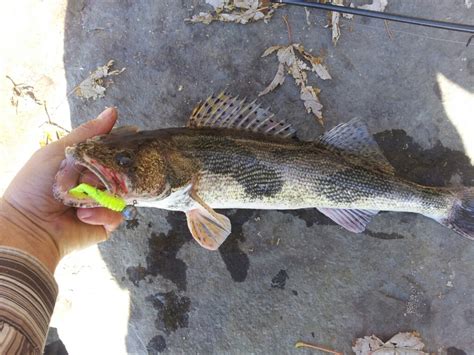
(28, 293)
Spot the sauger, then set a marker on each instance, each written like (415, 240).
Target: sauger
(234, 154)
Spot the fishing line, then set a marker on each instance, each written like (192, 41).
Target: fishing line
(451, 26)
(378, 30)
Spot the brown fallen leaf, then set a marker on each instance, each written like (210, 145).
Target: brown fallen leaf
(335, 18)
(296, 61)
(400, 344)
(334, 22)
(236, 11)
(377, 5)
(22, 92)
(94, 85)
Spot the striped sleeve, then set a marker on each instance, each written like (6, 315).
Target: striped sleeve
(27, 296)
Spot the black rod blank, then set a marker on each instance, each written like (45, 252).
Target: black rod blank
(383, 15)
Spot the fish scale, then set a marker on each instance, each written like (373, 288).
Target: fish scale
(261, 174)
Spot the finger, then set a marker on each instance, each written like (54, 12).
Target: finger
(100, 216)
(103, 124)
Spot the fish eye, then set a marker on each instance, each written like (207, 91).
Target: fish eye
(123, 159)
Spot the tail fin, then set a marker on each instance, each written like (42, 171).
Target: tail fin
(461, 217)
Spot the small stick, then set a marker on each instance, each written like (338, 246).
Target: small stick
(288, 27)
(303, 344)
(390, 35)
(50, 121)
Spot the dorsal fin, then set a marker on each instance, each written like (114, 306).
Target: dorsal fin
(353, 139)
(124, 130)
(225, 111)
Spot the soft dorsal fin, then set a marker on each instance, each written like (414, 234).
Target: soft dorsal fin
(225, 111)
(354, 140)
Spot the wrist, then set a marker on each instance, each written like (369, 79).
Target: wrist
(19, 232)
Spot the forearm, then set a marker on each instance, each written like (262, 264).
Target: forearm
(27, 287)
(19, 232)
(27, 297)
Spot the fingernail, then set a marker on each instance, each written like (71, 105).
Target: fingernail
(106, 113)
(84, 213)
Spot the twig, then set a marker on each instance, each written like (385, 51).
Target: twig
(47, 113)
(469, 41)
(390, 34)
(49, 121)
(9, 78)
(288, 27)
(303, 344)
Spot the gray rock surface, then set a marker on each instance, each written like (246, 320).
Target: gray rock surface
(284, 276)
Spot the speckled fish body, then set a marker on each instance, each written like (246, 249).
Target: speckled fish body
(255, 171)
(233, 154)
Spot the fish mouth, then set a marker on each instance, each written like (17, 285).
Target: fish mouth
(73, 167)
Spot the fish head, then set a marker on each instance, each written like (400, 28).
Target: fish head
(126, 165)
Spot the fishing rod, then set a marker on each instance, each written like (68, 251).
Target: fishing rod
(383, 15)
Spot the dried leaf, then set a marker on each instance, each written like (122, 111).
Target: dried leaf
(321, 71)
(270, 50)
(242, 17)
(203, 17)
(349, 16)
(335, 17)
(246, 4)
(295, 60)
(236, 11)
(317, 66)
(309, 95)
(23, 92)
(277, 80)
(399, 344)
(217, 4)
(377, 5)
(94, 85)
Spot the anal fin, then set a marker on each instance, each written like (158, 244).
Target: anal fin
(352, 220)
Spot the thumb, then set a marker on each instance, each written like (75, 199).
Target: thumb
(103, 124)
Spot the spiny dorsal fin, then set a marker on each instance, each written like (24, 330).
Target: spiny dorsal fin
(224, 111)
(354, 140)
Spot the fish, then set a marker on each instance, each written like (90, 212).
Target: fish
(234, 154)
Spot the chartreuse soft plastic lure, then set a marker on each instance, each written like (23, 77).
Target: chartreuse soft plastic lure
(103, 198)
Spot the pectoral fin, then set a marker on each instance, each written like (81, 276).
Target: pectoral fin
(209, 228)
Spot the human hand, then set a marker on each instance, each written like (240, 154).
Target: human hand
(39, 222)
